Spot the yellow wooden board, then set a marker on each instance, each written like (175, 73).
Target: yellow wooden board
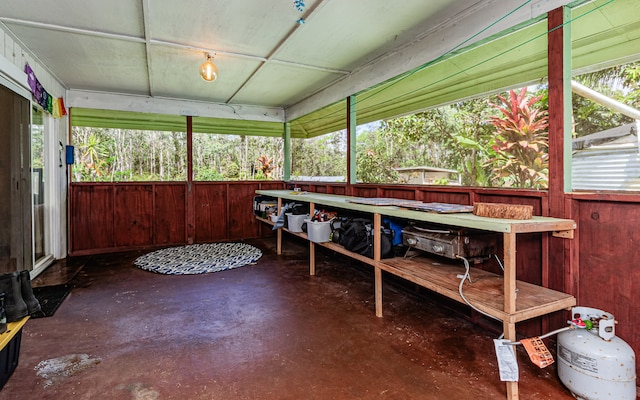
(12, 329)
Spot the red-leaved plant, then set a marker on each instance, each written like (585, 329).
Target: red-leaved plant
(266, 166)
(521, 142)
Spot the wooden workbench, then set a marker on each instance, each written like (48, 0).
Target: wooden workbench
(500, 296)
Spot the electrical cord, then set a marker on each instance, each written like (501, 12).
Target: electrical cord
(466, 276)
(462, 279)
(499, 262)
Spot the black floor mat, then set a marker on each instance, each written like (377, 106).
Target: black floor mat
(50, 298)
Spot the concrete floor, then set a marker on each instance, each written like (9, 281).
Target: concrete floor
(266, 331)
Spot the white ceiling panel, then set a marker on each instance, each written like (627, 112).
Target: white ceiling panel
(114, 16)
(347, 34)
(176, 72)
(284, 84)
(154, 48)
(89, 62)
(242, 26)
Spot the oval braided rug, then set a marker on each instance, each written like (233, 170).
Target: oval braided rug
(199, 258)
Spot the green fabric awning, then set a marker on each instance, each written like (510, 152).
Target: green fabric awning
(237, 127)
(328, 119)
(604, 32)
(173, 123)
(497, 63)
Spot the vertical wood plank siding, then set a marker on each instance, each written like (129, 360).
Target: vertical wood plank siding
(169, 214)
(91, 226)
(608, 274)
(109, 217)
(133, 215)
(210, 210)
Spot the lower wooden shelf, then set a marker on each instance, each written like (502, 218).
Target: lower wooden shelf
(486, 292)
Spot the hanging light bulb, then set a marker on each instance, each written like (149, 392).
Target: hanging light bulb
(208, 70)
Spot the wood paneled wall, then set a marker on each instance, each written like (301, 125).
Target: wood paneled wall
(108, 217)
(606, 274)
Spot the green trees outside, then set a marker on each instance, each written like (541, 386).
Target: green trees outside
(108, 155)
(456, 136)
(460, 136)
(232, 157)
(498, 140)
(621, 83)
(324, 155)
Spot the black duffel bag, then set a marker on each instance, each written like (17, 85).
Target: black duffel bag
(356, 235)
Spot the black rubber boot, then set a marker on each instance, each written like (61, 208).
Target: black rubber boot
(33, 305)
(14, 306)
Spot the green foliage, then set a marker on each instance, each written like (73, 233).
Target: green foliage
(232, 170)
(131, 155)
(208, 175)
(321, 156)
(490, 141)
(453, 137)
(521, 141)
(590, 117)
(441, 181)
(372, 168)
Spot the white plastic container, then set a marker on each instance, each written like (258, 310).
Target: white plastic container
(294, 222)
(318, 232)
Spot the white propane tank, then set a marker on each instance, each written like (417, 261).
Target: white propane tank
(593, 363)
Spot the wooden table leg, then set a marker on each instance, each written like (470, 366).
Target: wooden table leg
(312, 258)
(378, 290)
(510, 295)
(510, 334)
(279, 231)
(377, 224)
(312, 246)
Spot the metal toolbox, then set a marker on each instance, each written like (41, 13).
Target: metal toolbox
(450, 243)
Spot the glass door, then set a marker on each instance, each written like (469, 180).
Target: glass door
(40, 219)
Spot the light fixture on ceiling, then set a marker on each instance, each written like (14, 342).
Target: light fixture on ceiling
(208, 70)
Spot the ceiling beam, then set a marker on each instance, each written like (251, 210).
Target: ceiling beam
(146, 8)
(160, 105)
(67, 29)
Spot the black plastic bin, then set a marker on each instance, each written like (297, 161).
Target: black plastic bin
(9, 356)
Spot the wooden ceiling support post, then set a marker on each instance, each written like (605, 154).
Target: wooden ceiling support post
(560, 268)
(287, 152)
(351, 143)
(191, 216)
(559, 70)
